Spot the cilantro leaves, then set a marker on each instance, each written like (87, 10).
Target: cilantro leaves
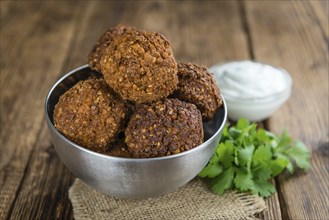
(247, 158)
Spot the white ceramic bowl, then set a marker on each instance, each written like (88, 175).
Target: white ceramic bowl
(255, 109)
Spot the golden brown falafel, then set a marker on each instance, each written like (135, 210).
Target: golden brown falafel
(90, 115)
(140, 66)
(164, 127)
(196, 85)
(104, 41)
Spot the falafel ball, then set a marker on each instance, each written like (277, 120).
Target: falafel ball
(119, 149)
(140, 66)
(196, 85)
(164, 127)
(90, 115)
(96, 53)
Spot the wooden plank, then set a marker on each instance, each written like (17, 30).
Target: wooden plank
(46, 182)
(198, 32)
(284, 35)
(174, 20)
(32, 45)
(45, 185)
(321, 11)
(101, 16)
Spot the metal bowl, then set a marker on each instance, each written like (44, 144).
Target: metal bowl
(129, 177)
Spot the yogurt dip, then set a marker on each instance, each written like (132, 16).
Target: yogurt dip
(252, 90)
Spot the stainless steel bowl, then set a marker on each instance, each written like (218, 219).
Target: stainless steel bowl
(127, 177)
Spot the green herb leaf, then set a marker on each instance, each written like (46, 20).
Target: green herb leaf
(278, 165)
(211, 171)
(223, 182)
(247, 158)
(242, 124)
(245, 155)
(262, 154)
(262, 135)
(285, 140)
(263, 188)
(243, 180)
(262, 172)
(225, 154)
(300, 154)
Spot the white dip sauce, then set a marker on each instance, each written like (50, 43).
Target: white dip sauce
(249, 80)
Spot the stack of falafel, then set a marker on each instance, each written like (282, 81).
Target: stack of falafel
(145, 105)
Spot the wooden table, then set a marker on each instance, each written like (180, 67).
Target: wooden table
(40, 41)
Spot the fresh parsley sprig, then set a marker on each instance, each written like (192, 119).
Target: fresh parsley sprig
(247, 158)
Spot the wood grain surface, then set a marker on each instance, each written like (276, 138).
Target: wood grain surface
(298, 45)
(42, 40)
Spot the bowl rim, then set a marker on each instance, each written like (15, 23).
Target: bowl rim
(123, 159)
(265, 99)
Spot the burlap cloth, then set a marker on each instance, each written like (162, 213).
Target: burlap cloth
(193, 201)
